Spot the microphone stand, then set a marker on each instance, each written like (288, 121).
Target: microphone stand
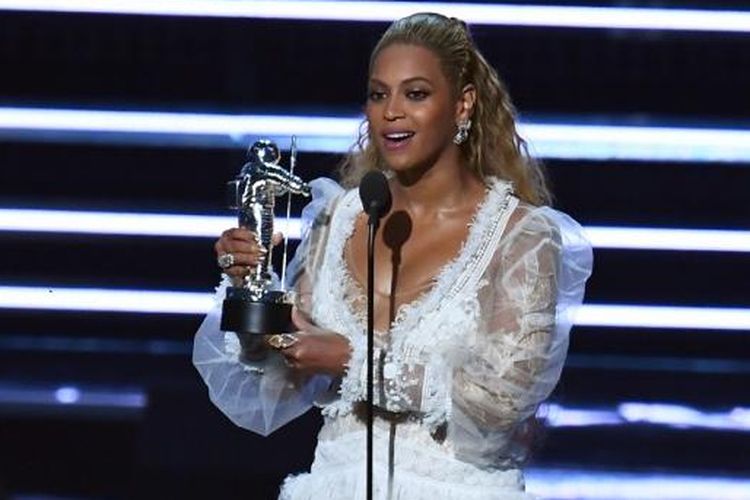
(372, 227)
(376, 202)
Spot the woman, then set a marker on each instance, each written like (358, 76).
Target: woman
(475, 280)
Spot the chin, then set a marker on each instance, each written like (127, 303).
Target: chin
(410, 170)
(416, 158)
(400, 164)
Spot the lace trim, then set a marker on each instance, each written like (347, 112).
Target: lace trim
(354, 381)
(436, 396)
(334, 276)
(464, 268)
(331, 284)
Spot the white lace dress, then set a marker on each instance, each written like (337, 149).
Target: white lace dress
(457, 376)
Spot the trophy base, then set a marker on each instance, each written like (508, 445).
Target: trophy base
(268, 316)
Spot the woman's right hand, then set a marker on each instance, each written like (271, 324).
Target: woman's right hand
(245, 249)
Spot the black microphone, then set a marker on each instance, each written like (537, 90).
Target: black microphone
(375, 195)
(376, 202)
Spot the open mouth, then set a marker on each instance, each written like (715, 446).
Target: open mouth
(397, 139)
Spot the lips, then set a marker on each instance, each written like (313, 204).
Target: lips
(397, 139)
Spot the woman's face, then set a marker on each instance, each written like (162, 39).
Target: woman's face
(411, 108)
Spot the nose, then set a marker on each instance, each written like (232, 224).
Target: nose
(393, 109)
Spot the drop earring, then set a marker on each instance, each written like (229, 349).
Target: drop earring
(462, 133)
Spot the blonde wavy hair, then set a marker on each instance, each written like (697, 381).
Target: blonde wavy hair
(494, 147)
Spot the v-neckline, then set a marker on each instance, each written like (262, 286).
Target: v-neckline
(443, 283)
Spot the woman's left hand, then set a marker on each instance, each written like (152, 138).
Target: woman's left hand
(316, 350)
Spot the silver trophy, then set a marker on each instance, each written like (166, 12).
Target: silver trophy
(255, 307)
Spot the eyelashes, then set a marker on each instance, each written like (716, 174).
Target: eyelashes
(375, 95)
(412, 95)
(417, 95)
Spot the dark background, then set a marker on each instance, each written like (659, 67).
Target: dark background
(178, 445)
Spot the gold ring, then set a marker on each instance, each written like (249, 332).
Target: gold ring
(282, 341)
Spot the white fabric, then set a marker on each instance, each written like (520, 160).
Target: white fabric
(466, 364)
(424, 469)
(261, 396)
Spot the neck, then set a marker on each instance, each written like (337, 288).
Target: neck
(444, 187)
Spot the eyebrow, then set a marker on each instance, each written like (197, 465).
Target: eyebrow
(413, 79)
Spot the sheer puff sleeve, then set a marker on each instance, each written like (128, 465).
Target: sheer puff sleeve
(262, 395)
(534, 283)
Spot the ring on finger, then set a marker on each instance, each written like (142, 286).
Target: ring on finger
(282, 340)
(225, 260)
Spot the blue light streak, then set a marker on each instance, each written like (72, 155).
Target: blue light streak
(379, 11)
(567, 141)
(208, 226)
(169, 302)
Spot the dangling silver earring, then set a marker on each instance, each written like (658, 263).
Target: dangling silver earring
(463, 132)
